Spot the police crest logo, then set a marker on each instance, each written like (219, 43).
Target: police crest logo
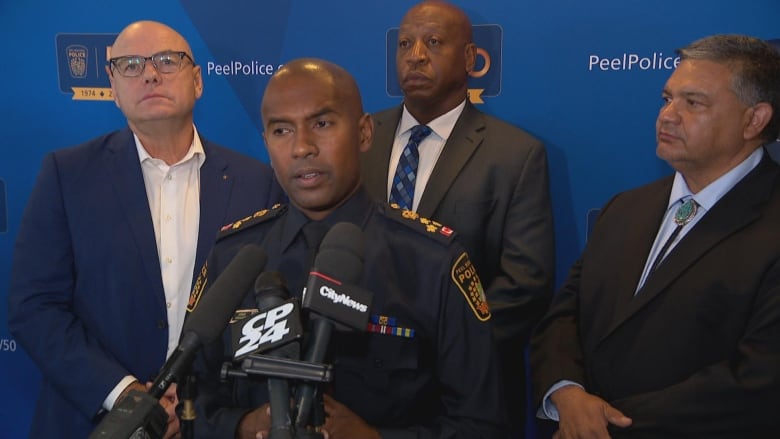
(465, 277)
(77, 60)
(81, 60)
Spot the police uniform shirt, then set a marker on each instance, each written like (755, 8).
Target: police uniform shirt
(426, 365)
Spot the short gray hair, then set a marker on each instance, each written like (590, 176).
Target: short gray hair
(755, 68)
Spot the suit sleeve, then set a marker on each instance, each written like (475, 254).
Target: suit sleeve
(41, 301)
(738, 396)
(556, 353)
(520, 294)
(220, 404)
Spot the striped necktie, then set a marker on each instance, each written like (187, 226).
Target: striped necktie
(402, 192)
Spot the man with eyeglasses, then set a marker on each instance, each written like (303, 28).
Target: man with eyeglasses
(113, 232)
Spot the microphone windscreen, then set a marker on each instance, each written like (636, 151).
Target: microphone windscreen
(216, 307)
(270, 283)
(341, 253)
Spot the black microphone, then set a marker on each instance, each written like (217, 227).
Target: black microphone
(281, 327)
(202, 326)
(330, 292)
(275, 324)
(210, 318)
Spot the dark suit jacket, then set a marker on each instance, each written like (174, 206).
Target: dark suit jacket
(696, 353)
(490, 184)
(86, 299)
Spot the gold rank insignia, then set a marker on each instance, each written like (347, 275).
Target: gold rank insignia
(197, 290)
(239, 223)
(465, 277)
(430, 226)
(255, 218)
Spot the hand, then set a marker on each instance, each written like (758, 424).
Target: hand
(255, 424)
(584, 416)
(135, 385)
(169, 401)
(341, 422)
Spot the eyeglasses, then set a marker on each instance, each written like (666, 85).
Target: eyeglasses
(164, 62)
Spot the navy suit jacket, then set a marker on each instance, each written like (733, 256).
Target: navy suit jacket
(696, 352)
(86, 299)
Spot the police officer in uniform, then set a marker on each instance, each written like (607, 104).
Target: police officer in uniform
(426, 365)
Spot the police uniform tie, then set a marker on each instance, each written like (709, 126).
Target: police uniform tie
(682, 216)
(402, 192)
(313, 233)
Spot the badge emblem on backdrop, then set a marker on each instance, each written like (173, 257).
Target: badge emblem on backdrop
(81, 61)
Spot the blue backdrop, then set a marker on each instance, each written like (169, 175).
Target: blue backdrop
(584, 76)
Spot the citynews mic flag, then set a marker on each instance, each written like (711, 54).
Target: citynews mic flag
(344, 303)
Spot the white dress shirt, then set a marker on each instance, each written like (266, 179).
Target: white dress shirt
(173, 193)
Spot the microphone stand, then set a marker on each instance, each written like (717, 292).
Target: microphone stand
(188, 391)
(278, 369)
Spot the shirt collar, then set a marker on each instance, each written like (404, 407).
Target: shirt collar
(355, 210)
(442, 126)
(196, 150)
(710, 195)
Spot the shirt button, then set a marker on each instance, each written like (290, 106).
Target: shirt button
(168, 260)
(168, 304)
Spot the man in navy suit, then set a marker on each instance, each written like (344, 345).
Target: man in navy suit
(669, 323)
(477, 174)
(113, 232)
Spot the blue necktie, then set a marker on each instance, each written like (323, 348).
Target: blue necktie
(402, 192)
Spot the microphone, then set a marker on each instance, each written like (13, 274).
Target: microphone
(276, 323)
(331, 293)
(209, 319)
(203, 325)
(277, 330)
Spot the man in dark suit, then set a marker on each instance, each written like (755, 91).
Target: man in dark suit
(669, 323)
(113, 232)
(482, 177)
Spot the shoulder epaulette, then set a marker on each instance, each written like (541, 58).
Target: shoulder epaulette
(414, 221)
(258, 217)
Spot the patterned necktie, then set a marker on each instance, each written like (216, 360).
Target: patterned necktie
(682, 216)
(402, 192)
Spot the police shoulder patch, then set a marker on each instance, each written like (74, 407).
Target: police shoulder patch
(414, 221)
(256, 218)
(197, 290)
(464, 275)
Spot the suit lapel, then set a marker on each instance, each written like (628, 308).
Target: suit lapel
(738, 208)
(639, 239)
(215, 186)
(465, 138)
(124, 172)
(376, 160)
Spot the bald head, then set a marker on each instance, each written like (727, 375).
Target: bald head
(438, 10)
(315, 131)
(327, 75)
(146, 38)
(434, 58)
